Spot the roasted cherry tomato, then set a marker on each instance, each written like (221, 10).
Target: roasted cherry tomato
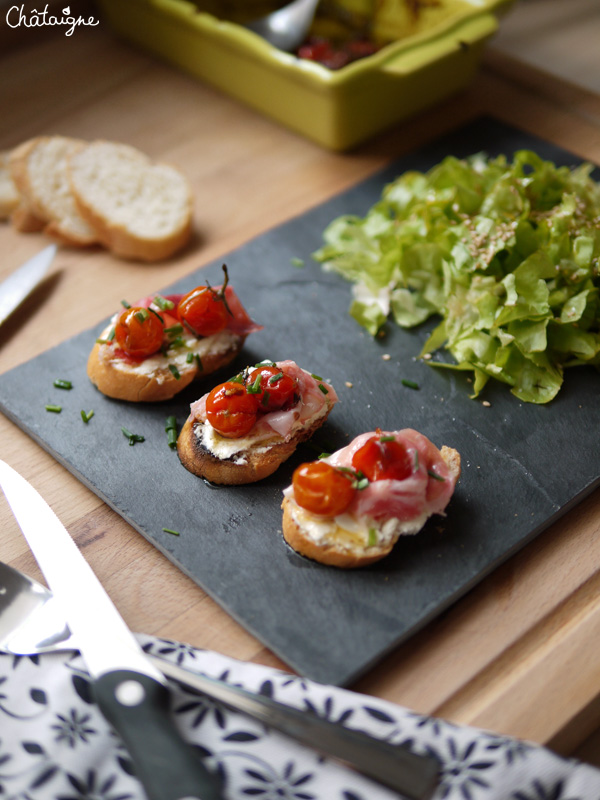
(323, 489)
(231, 410)
(139, 332)
(381, 458)
(203, 310)
(272, 387)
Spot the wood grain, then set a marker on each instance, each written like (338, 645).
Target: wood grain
(517, 653)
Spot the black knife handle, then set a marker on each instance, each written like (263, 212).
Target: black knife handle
(167, 767)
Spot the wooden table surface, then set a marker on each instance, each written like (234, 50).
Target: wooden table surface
(517, 654)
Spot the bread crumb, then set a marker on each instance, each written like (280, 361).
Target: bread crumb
(486, 403)
(386, 356)
(349, 384)
(427, 357)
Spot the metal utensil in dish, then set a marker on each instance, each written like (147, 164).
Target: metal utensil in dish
(287, 27)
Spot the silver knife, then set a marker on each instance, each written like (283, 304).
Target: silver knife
(129, 690)
(23, 281)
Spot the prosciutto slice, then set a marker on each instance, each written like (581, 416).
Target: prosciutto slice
(238, 322)
(312, 399)
(427, 491)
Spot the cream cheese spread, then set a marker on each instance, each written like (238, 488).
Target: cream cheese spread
(348, 531)
(224, 448)
(157, 366)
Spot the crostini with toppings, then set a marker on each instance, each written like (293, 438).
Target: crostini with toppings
(245, 428)
(153, 349)
(350, 508)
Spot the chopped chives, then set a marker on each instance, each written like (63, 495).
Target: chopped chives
(432, 474)
(163, 303)
(86, 416)
(383, 439)
(142, 315)
(125, 304)
(174, 329)
(172, 532)
(109, 338)
(316, 377)
(62, 384)
(133, 437)
(171, 431)
(275, 378)
(296, 262)
(323, 388)
(265, 399)
(54, 409)
(372, 537)
(156, 314)
(174, 371)
(265, 363)
(409, 384)
(254, 388)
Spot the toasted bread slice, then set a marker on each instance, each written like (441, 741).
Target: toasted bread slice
(336, 546)
(38, 168)
(234, 461)
(251, 465)
(154, 379)
(139, 209)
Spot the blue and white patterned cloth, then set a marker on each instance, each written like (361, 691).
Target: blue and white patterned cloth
(55, 744)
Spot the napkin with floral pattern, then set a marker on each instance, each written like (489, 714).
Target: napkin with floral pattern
(55, 744)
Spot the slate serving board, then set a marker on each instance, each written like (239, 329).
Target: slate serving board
(523, 465)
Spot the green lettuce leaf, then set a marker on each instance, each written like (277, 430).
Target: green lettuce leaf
(505, 253)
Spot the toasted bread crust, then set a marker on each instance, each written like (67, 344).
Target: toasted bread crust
(333, 555)
(123, 384)
(258, 463)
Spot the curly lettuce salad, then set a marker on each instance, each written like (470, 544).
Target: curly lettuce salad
(506, 253)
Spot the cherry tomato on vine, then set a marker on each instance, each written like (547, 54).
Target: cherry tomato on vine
(203, 310)
(382, 458)
(272, 387)
(323, 489)
(139, 332)
(231, 410)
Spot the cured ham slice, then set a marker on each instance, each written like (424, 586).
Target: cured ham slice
(313, 397)
(427, 491)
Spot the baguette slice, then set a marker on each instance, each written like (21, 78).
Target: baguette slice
(162, 376)
(152, 380)
(346, 541)
(38, 168)
(9, 195)
(139, 209)
(217, 459)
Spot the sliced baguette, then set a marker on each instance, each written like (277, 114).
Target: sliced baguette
(258, 462)
(38, 168)
(139, 209)
(134, 383)
(340, 549)
(272, 440)
(9, 194)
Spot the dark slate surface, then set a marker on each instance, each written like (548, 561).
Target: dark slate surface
(523, 465)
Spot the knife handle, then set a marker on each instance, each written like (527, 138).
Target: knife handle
(167, 766)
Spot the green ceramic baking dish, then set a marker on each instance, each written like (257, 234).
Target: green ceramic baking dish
(336, 108)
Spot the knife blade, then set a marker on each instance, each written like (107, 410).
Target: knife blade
(23, 281)
(129, 690)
